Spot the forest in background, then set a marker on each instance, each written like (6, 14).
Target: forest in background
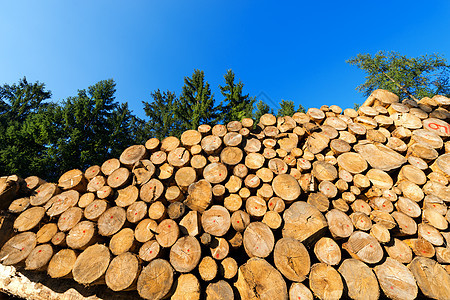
(43, 137)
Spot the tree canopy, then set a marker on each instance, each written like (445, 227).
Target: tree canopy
(408, 77)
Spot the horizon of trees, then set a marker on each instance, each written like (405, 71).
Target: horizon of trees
(44, 138)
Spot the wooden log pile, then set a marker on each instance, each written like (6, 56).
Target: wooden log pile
(330, 203)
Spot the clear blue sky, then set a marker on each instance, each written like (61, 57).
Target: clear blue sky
(293, 50)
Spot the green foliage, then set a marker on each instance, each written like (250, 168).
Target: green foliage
(356, 106)
(261, 109)
(28, 130)
(237, 106)
(414, 77)
(196, 103)
(301, 109)
(161, 113)
(287, 108)
(95, 127)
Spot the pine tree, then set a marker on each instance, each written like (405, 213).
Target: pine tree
(237, 106)
(161, 112)
(261, 109)
(301, 109)
(287, 108)
(196, 103)
(96, 127)
(29, 127)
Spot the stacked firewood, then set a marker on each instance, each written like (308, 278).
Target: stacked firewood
(332, 203)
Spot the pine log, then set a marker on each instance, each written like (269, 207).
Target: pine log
(149, 250)
(17, 248)
(325, 282)
(151, 191)
(258, 279)
(207, 268)
(155, 280)
(29, 219)
(185, 254)
(46, 233)
(157, 211)
(61, 202)
(292, 259)
(327, 251)
(361, 284)
(190, 224)
(339, 223)
(187, 287)
(380, 156)
(111, 221)
(122, 272)
(39, 258)
(219, 290)
(200, 196)
(73, 179)
(364, 247)
(91, 264)
(95, 209)
(122, 241)
(167, 233)
(61, 264)
(228, 268)
(136, 211)
(19, 205)
(127, 196)
(258, 240)
(81, 235)
(86, 199)
(70, 218)
(145, 230)
(302, 221)
(216, 220)
(43, 194)
(219, 248)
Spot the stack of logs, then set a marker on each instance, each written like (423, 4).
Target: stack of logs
(328, 203)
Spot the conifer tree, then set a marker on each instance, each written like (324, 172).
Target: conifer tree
(196, 103)
(237, 105)
(261, 109)
(161, 112)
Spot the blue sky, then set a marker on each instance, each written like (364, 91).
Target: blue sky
(294, 51)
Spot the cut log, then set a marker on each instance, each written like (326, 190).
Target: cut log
(151, 191)
(157, 211)
(364, 247)
(207, 268)
(325, 282)
(258, 240)
(339, 223)
(62, 263)
(111, 221)
(122, 272)
(29, 219)
(200, 196)
(216, 220)
(352, 162)
(95, 209)
(292, 259)
(136, 211)
(43, 194)
(127, 196)
(17, 248)
(39, 258)
(61, 202)
(327, 251)
(73, 179)
(81, 235)
(91, 264)
(149, 250)
(145, 230)
(167, 233)
(380, 156)
(19, 205)
(155, 280)
(185, 254)
(70, 218)
(302, 221)
(228, 268)
(46, 233)
(361, 284)
(122, 242)
(286, 187)
(187, 287)
(396, 280)
(258, 279)
(220, 290)
(219, 248)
